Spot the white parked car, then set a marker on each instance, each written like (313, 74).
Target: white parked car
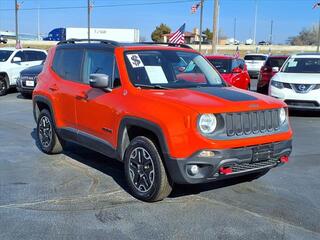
(13, 61)
(298, 82)
(254, 62)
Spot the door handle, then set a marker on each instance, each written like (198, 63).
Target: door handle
(82, 96)
(53, 88)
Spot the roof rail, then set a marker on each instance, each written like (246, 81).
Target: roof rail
(168, 44)
(75, 40)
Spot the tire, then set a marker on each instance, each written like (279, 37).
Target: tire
(46, 134)
(145, 172)
(3, 87)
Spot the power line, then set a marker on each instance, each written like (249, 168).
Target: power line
(101, 6)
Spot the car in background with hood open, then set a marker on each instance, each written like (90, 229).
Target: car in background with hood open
(232, 69)
(268, 70)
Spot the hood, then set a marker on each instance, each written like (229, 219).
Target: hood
(298, 78)
(214, 99)
(35, 70)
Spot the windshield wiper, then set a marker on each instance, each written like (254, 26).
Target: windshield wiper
(151, 86)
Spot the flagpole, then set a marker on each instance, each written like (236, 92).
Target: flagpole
(318, 46)
(89, 18)
(201, 16)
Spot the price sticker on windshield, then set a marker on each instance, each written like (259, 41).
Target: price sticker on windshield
(135, 60)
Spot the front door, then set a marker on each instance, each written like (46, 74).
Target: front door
(96, 109)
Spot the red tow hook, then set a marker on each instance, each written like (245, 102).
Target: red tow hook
(225, 170)
(284, 159)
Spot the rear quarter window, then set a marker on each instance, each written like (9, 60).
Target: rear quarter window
(67, 63)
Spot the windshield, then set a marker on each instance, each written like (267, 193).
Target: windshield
(302, 65)
(4, 55)
(255, 58)
(222, 65)
(170, 69)
(275, 62)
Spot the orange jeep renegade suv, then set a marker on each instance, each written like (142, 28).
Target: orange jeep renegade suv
(164, 111)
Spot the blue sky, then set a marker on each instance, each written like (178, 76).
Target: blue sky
(289, 16)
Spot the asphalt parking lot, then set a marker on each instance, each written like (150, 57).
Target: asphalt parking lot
(82, 195)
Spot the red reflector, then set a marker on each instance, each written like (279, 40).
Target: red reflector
(284, 159)
(225, 170)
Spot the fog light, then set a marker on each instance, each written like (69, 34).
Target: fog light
(193, 170)
(206, 154)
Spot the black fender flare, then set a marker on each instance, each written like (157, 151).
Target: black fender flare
(142, 123)
(41, 99)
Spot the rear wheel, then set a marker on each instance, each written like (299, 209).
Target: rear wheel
(47, 137)
(145, 172)
(3, 87)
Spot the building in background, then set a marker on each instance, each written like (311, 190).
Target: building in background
(189, 37)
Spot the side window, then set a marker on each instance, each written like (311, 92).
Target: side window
(21, 55)
(97, 61)
(35, 56)
(67, 63)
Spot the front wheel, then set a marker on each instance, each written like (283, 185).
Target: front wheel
(3, 87)
(145, 172)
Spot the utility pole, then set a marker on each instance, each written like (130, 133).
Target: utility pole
(318, 46)
(215, 26)
(234, 30)
(38, 20)
(201, 16)
(17, 25)
(89, 18)
(271, 33)
(255, 22)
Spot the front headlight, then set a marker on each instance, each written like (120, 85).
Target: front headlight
(207, 123)
(282, 116)
(277, 84)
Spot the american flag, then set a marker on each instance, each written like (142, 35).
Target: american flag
(178, 36)
(195, 7)
(316, 5)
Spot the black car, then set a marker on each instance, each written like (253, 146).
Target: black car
(28, 80)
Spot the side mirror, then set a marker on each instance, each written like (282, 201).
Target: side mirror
(99, 80)
(236, 70)
(275, 69)
(16, 59)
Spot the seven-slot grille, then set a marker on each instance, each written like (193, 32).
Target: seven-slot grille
(257, 122)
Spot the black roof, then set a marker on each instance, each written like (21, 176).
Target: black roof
(113, 44)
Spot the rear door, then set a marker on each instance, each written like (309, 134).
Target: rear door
(64, 87)
(97, 109)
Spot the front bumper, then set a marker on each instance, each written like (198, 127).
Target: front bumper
(294, 100)
(22, 88)
(239, 161)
